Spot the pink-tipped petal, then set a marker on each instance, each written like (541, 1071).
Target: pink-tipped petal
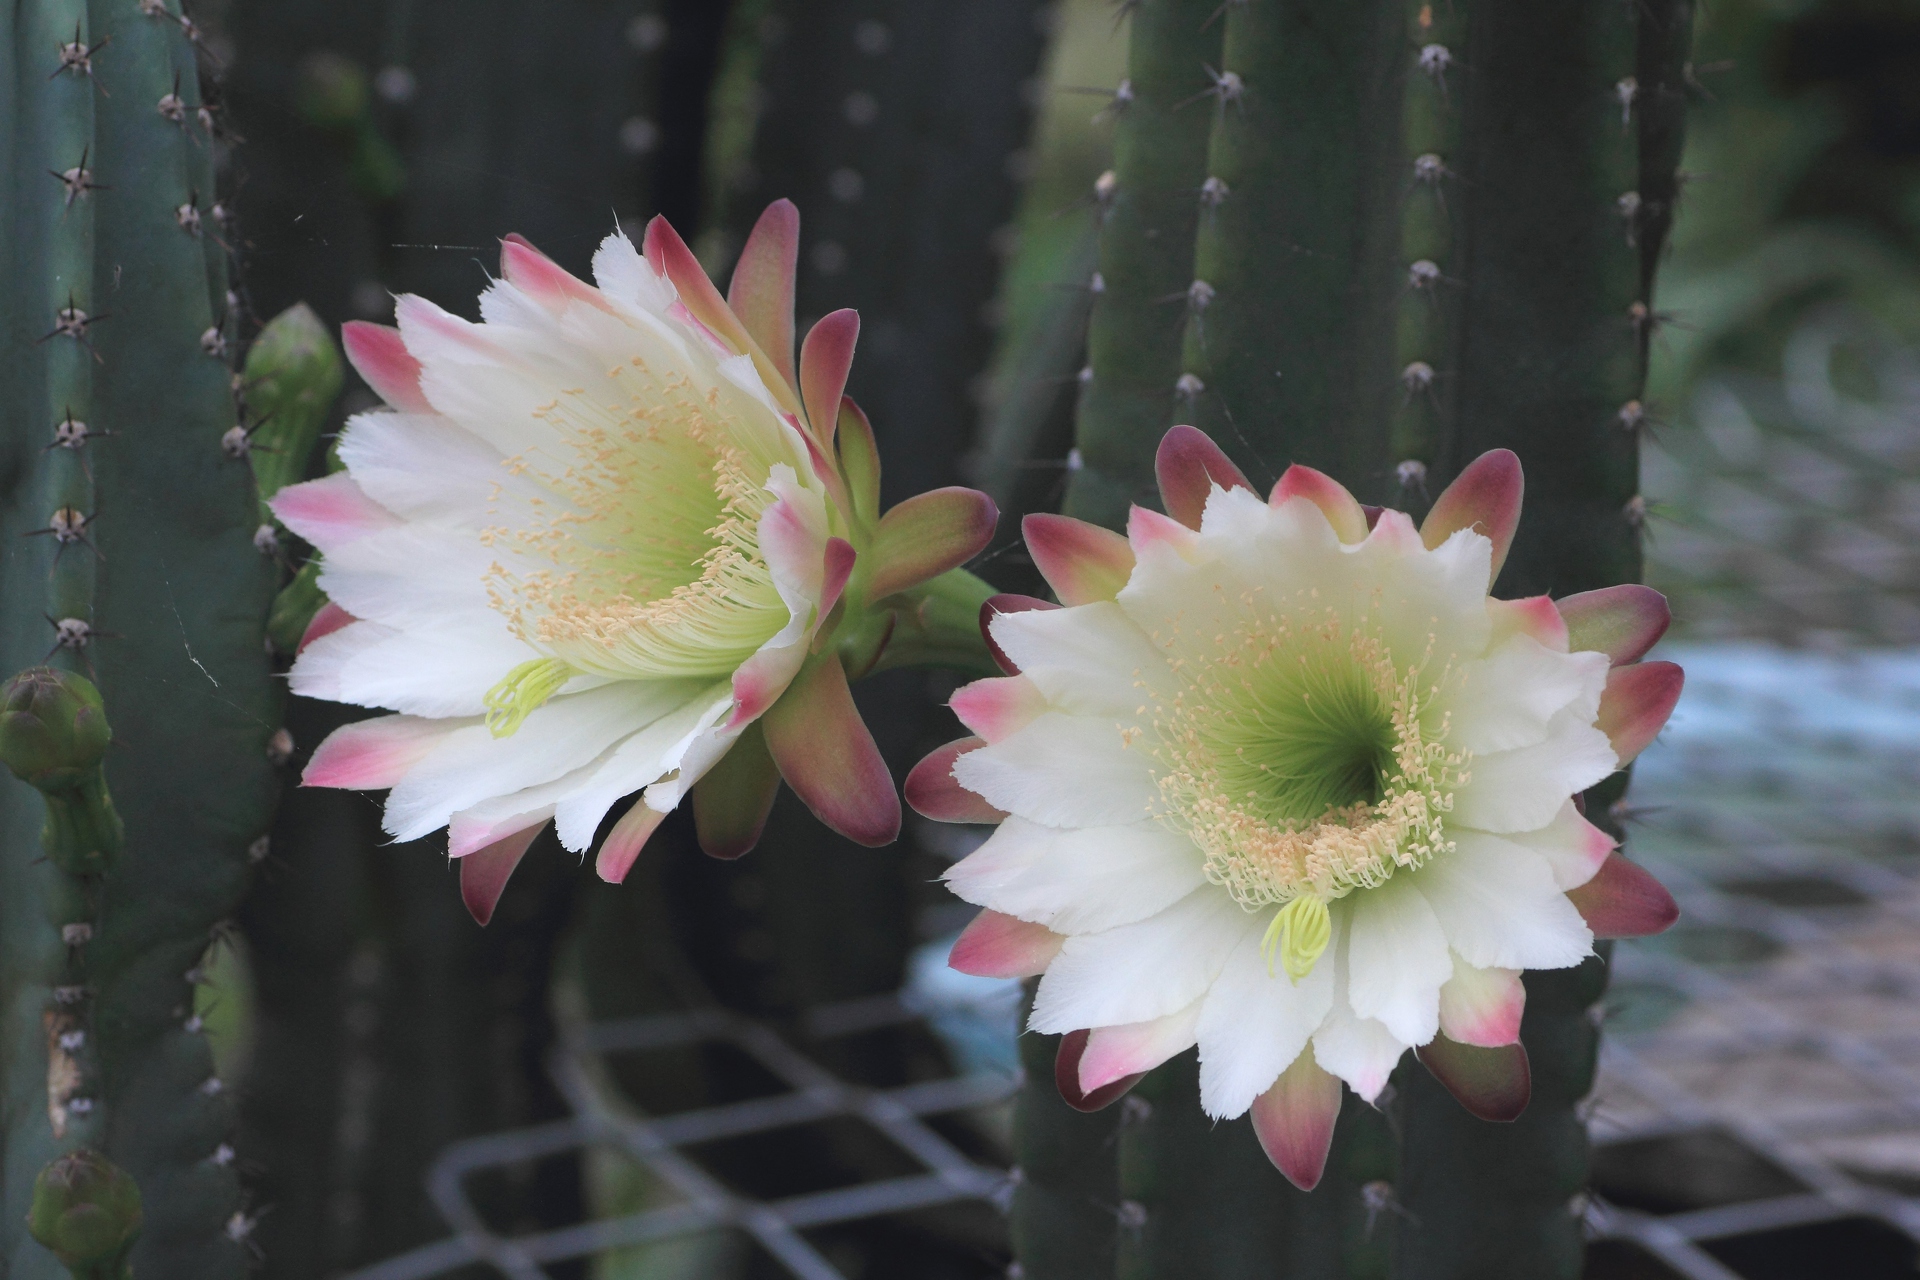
(761, 292)
(1000, 604)
(929, 534)
(732, 800)
(1188, 465)
(669, 256)
(1294, 1120)
(1635, 706)
(1482, 1007)
(1115, 1053)
(372, 755)
(1622, 622)
(1342, 511)
(826, 357)
(1493, 1084)
(935, 793)
(1066, 1077)
(1623, 900)
(838, 567)
(1486, 496)
(1082, 562)
(623, 844)
(1534, 616)
(328, 619)
(1148, 529)
(859, 462)
(998, 706)
(380, 356)
(828, 757)
(999, 946)
(485, 872)
(331, 511)
(544, 280)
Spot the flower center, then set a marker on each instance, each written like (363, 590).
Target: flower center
(653, 544)
(1305, 762)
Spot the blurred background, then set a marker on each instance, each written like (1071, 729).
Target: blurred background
(1759, 1111)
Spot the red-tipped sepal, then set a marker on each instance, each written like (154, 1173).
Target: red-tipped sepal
(761, 292)
(859, 462)
(1636, 703)
(1486, 496)
(1622, 622)
(327, 619)
(623, 844)
(1082, 562)
(380, 357)
(1343, 512)
(732, 801)
(826, 357)
(929, 534)
(1482, 1006)
(1066, 1077)
(1294, 1120)
(1000, 604)
(1493, 1084)
(828, 757)
(1623, 900)
(934, 793)
(1000, 946)
(484, 872)
(1188, 465)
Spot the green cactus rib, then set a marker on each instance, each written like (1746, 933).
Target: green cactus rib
(1065, 1212)
(143, 573)
(1162, 118)
(1298, 284)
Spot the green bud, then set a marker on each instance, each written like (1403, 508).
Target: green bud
(53, 728)
(54, 734)
(86, 1211)
(292, 378)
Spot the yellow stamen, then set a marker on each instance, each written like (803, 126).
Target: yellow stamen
(1298, 936)
(523, 691)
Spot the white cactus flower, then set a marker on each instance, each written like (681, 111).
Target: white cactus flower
(591, 552)
(1282, 780)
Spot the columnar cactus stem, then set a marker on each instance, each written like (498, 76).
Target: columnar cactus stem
(1162, 115)
(144, 574)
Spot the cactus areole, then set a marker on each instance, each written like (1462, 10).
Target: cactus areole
(614, 539)
(1284, 781)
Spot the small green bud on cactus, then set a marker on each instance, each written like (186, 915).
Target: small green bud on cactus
(292, 377)
(53, 728)
(54, 734)
(86, 1211)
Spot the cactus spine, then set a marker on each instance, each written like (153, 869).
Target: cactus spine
(1416, 232)
(142, 570)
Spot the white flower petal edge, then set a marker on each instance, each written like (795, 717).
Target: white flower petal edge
(1296, 784)
(590, 488)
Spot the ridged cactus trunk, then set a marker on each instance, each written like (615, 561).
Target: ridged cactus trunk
(1377, 238)
(134, 562)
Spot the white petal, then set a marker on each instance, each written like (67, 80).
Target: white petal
(1572, 846)
(566, 733)
(1500, 906)
(424, 466)
(1082, 880)
(1064, 771)
(1087, 660)
(439, 671)
(642, 759)
(416, 575)
(1254, 1024)
(1482, 1006)
(1360, 1051)
(626, 277)
(1143, 970)
(1397, 960)
(1522, 790)
(1506, 699)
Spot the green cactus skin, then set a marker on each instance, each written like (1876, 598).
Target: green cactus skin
(1532, 327)
(172, 594)
(1064, 1217)
(1146, 254)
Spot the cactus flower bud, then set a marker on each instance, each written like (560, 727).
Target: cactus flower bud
(53, 728)
(54, 734)
(86, 1211)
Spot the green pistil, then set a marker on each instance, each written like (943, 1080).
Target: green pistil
(524, 691)
(1298, 936)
